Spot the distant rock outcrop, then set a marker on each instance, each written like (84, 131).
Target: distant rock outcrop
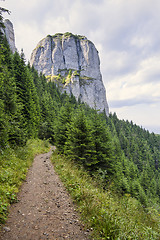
(9, 32)
(73, 63)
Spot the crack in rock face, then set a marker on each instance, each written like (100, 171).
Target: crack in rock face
(72, 62)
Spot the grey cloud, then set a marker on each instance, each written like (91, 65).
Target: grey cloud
(153, 77)
(120, 37)
(96, 2)
(153, 128)
(130, 65)
(38, 12)
(133, 102)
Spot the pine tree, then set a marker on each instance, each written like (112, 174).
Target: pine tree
(27, 96)
(61, 123)
(103, 149)
(46, 129)
(8, 103)
(79, 144)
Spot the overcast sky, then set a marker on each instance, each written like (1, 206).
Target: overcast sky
(126, 34)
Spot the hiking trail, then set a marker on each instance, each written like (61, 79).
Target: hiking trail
(44, 209)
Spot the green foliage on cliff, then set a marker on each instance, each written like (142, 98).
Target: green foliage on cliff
(67, 35)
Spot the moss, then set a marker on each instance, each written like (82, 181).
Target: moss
(75, 73)
(81, 37)
(70, 73)
(66, 79)
(85, 80)
(48, 77)
(56, 78)
(62, 70)
(63, 81)
(67, 35)
(38, 47)
(77, 37)
(58, 35)
(53, 77)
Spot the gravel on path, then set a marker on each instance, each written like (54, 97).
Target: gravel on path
(44, 209)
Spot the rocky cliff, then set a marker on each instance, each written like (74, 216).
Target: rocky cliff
(73, 63)
(9, 32)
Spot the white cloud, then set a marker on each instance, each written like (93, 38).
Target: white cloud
(141, 41)
(27, 37)
(52, 26)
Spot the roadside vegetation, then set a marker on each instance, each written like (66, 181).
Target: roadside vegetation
(14, 164)
(106, 214)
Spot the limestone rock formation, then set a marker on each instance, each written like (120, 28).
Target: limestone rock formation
(9, 32)
(73, 63)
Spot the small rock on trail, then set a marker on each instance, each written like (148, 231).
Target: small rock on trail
(44, 209)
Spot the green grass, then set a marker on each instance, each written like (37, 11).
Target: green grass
(108, 215)
(14, 164)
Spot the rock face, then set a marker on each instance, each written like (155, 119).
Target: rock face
(9, 32)
(73, 63)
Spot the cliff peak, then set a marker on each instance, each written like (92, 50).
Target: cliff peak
(72, 61)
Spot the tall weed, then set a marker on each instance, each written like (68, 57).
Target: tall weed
(14, 164)
(107, 215)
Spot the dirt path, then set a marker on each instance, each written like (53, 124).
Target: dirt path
(44, 209)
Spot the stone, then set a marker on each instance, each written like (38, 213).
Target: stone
(6, 229)
(72, 62)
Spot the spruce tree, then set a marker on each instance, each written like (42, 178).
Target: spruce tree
(61, 125)
(46, 129)
(79, 144)
(27, 96)
(103, 149)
